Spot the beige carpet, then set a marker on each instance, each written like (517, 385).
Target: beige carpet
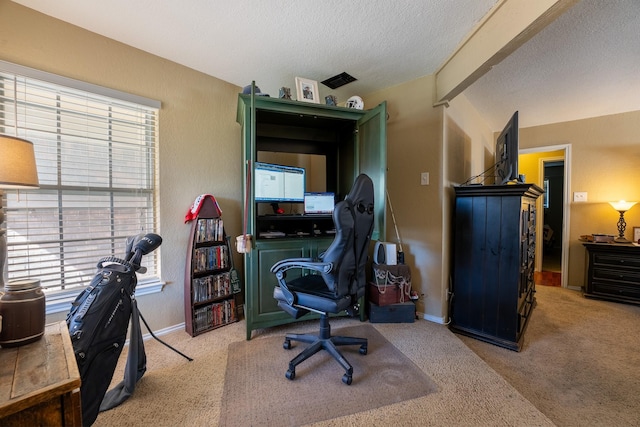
(175, 392)
(255, 374)
(580, 362)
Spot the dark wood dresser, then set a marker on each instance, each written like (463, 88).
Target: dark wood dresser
(493, 290)
(40, 382)
(613, 272)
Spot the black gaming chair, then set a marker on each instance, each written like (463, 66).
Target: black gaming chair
(334, 282)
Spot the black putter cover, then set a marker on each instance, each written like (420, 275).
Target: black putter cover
(130, 242)
(148, 243)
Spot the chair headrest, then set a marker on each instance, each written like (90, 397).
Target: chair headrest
(361, 194)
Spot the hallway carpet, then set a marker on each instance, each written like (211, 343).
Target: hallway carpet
(579, 362)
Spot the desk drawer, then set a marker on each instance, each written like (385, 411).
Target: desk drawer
(616, 289)
(620, 275)
(616, 260)
(525, 310)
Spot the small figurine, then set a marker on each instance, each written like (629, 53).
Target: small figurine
(331, 100)
(285, 93)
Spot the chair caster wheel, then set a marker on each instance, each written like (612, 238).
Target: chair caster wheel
(286, 345)
(291, 375)
(363, 350)
(347, 379)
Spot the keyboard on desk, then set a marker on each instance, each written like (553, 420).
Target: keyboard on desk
(271, 234)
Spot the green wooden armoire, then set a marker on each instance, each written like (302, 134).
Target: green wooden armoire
(334, 145)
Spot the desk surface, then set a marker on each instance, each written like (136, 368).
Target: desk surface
(612, 246)
(38, 372)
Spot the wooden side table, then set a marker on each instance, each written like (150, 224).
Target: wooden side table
(40, 382)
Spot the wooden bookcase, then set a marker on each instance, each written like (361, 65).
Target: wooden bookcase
(209, 297)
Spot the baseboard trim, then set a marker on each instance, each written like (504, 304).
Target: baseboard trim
(163, 331)
(432, 318)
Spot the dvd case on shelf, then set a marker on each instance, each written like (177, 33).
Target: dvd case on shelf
(214, 315)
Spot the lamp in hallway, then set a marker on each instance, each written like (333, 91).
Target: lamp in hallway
(22, 305)
(622, 207)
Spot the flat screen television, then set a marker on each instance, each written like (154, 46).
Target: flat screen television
(279, 183)
(507, 152)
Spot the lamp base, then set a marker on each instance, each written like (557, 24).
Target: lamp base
(621, 240)
(22, 310)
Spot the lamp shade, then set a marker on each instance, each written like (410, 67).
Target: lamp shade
(622, 206)
(17, 163)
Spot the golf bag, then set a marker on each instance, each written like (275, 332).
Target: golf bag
(98, 323)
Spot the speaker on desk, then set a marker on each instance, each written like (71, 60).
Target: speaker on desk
(385, 253)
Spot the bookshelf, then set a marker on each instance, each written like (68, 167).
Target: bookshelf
(210, 288)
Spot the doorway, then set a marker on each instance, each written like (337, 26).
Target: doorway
(553, 183)
(549, 168)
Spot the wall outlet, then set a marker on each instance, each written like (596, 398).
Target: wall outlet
(424, 178)
(579, 196)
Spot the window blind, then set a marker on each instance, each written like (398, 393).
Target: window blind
(96, 160)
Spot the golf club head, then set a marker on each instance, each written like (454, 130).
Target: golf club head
(141, 244)
(147, 243)
(130, 242)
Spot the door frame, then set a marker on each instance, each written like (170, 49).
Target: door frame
(542, 161)
(564, 258)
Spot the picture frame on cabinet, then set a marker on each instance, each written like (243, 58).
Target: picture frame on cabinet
(307, 90)
(636, 235)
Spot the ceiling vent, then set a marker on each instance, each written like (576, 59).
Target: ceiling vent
(339, 80)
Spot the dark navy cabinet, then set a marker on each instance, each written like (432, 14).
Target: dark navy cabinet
(493, 289)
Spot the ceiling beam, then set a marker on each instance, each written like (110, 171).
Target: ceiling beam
(507, 26)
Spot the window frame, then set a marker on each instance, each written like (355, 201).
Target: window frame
(58, 301)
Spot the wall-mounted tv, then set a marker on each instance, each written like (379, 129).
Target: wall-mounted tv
(278, 183)
(507, 152)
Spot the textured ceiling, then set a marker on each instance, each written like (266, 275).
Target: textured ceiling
(584, 64)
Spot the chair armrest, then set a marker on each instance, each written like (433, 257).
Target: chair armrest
(280, 267)
(276, 266)
(300, 263)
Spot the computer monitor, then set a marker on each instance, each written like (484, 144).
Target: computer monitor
(279, 183)
(319, 203)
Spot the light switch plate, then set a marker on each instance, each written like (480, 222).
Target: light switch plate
(424, 178)
(579, 196)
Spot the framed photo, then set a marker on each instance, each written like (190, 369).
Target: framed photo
(636, 234)
(307, 90)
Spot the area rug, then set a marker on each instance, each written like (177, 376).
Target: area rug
(256, 391)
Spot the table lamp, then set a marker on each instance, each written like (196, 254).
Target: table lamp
(621, 207)
(22, 302)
